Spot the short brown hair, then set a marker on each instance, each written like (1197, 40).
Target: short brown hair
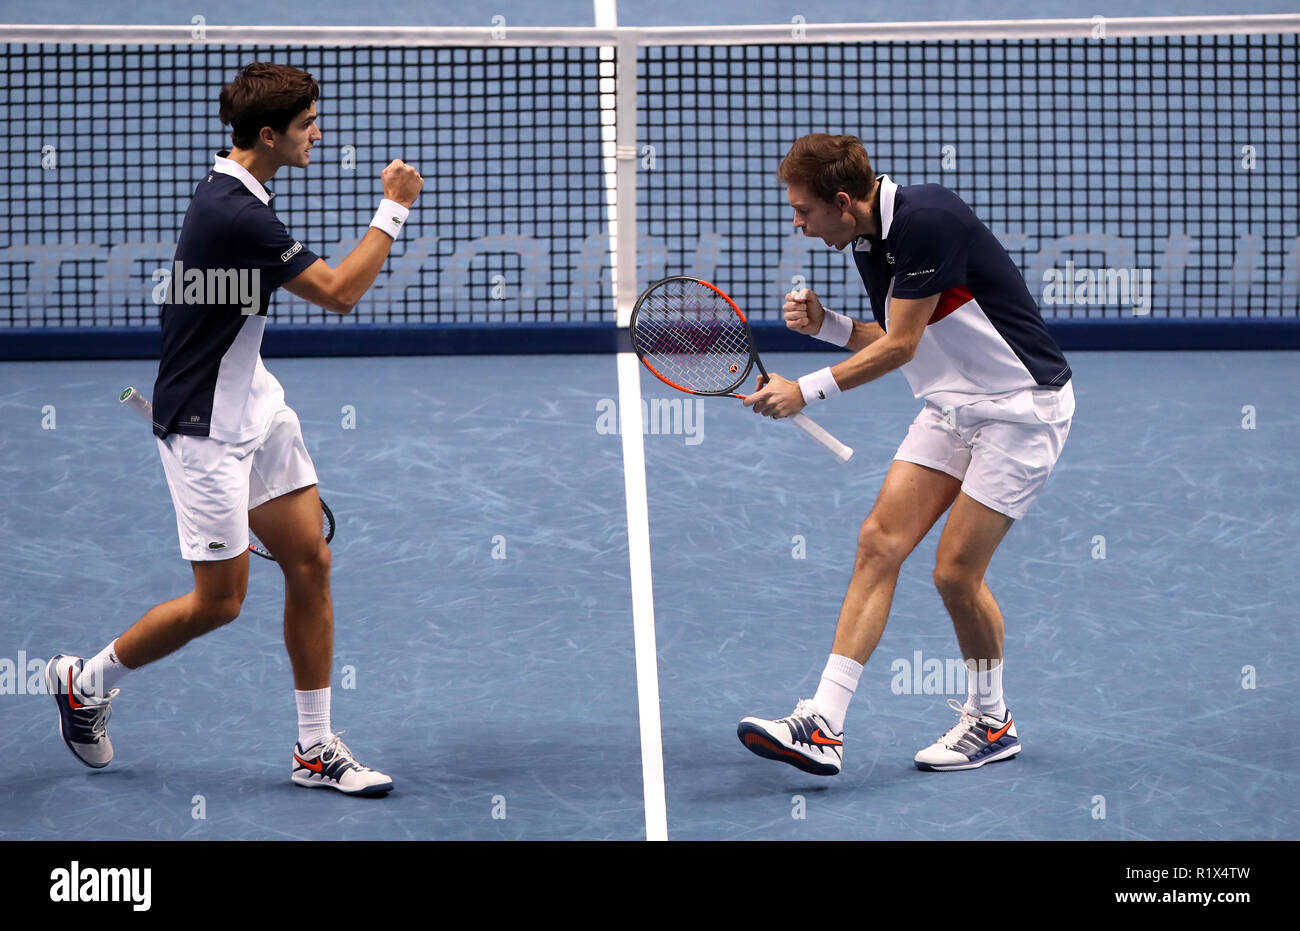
(827, 164)
(264, 94)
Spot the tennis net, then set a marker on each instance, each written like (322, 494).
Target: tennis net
(1164, 149)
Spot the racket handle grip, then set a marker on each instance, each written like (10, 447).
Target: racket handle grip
(837, 449)
(137, 402)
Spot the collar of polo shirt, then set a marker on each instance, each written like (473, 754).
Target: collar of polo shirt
(228, 166)
(882, 214)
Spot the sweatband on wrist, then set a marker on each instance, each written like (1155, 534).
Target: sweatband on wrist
(818, 385)
(836, 329)
(390, 217)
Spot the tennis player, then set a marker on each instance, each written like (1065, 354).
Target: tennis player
(231, 448)
(952, 312)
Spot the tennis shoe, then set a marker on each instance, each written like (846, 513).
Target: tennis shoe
(974, 740)
(803, 739)
(82, 719)
(329, 764)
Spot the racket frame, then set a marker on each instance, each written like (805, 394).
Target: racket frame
(730, 390)
(814, 430)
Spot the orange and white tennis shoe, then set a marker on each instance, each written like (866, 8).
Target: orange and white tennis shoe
(974, 740)
(329, 764)
(803, 739)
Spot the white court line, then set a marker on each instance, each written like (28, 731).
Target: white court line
(643, 605)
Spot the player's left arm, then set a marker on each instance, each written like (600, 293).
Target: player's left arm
(781, 397)
(907, 322)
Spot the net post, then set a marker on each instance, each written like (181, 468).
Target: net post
(625, 283)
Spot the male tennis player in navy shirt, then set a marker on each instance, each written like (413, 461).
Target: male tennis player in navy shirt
(952, 312)
(232, 449)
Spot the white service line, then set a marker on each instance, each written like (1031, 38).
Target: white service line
(643, 605)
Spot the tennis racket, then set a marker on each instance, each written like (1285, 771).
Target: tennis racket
(140, 404)
(694, 338)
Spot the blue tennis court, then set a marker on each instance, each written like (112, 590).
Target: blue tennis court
(528, 652)
(506, 686)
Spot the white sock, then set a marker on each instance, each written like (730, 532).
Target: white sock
(100, 673)
(313, 716)
(984, 688)
(839, 681)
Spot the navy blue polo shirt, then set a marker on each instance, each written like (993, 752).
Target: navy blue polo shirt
(233, 252)
(986, 338)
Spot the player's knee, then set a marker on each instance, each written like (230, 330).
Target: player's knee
(879, 548)
(311, 566)
(955, 581)
(213, 611)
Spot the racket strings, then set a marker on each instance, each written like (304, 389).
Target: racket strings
(693, 337)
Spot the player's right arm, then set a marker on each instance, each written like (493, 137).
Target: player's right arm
(804, 314)
(340, 289)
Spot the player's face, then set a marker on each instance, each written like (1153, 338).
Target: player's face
(832, 222)
(294, 144)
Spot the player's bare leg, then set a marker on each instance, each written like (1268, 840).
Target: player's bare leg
(970, 537)
(290, 528)
(219, 590)
(910, 501)
(912, 498)
(83, 689)
(985, 731)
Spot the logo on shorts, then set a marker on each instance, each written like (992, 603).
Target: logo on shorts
(216, 546)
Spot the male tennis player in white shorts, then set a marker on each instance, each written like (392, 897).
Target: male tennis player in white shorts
(231, 448)
(952, 312)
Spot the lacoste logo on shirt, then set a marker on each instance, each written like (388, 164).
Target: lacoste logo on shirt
(297, 247)
(889, 257)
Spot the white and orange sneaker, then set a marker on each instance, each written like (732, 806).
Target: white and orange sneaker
(802, 739)
(83, 720)
(974, 740)
(329, 764)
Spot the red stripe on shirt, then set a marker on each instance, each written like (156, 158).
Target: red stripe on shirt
(949, 301)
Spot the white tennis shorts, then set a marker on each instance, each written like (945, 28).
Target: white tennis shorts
(1003, 450)
(214, 484)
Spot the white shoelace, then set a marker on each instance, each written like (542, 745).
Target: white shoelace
(336, 748)
(803, 709)
(102, 710)
(963, 725)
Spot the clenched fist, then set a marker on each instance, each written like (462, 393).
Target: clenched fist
(804, 312)
(402, 183)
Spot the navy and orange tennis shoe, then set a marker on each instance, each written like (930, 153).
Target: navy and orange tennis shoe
(973, 741)
(83, 720)
(329, 764)
(803, 739)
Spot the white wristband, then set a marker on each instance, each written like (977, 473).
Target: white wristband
(818, 385)
(836, 329)
(390, 217)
